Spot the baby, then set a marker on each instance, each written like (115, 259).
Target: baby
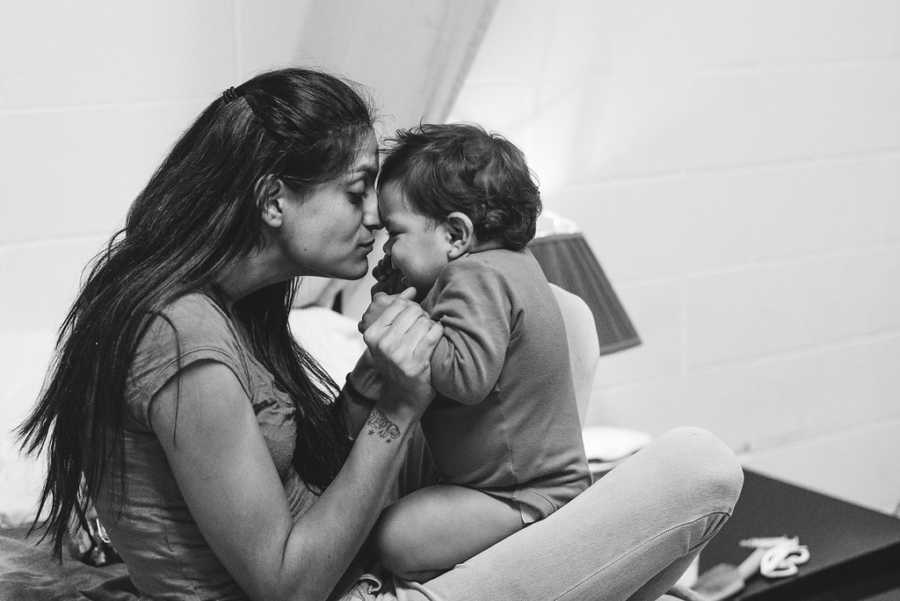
(459, 206)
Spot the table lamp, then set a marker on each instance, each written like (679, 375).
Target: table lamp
(568, 262)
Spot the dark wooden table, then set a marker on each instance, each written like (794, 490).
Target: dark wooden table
(855, 552)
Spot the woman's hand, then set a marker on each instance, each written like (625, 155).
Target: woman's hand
(400, 340)
(365, 384)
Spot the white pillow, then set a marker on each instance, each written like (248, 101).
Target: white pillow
(333, 339)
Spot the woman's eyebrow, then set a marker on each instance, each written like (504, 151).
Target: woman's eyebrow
(363, 171)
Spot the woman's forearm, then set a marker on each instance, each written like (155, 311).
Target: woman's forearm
(326, 539)
(354, 409)
(225, 473)
(362, 389)
(321, 545)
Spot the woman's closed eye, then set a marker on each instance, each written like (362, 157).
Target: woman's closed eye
(357, 192)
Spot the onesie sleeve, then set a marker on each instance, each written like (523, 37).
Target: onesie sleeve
(471, 301)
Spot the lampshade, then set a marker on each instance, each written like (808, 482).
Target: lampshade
(568, 262)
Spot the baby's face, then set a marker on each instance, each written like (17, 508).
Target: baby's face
(417, 246)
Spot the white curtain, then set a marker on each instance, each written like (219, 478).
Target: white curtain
(411, 55)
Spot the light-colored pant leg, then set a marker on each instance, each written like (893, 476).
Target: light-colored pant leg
(628, 537)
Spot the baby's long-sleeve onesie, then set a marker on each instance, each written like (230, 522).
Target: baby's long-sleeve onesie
(505, 419)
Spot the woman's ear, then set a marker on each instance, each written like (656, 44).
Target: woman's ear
(461, 232)
(270, 196)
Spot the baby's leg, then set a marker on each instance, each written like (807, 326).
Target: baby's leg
(432, 529)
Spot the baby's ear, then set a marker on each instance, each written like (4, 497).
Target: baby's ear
(462, 234)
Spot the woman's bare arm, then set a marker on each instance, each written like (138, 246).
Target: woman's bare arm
(226, 475)
(354, 409)
(364, 384)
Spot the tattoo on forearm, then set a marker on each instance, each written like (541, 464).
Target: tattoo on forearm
(379, 424)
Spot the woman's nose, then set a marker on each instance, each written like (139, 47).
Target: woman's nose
(371, 219)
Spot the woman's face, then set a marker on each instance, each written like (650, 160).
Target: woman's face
(328, 231)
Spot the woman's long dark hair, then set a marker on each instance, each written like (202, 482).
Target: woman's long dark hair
(197, 215)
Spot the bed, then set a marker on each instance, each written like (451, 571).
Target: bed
(28, 573)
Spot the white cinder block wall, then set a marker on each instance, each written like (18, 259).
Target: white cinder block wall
(736, 167)
(92, 95)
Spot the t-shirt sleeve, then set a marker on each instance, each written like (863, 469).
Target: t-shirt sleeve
(471, 301)
(188, 331)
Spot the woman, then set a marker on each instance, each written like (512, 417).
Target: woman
(208, 440)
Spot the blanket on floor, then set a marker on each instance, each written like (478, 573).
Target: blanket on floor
(28, 572)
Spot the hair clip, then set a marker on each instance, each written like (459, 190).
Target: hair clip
(230, 94)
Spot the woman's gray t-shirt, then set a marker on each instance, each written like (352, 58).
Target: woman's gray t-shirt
(151, 527)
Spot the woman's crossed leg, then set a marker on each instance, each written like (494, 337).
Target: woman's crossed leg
(628, 537)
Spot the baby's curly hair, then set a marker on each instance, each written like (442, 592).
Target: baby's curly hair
(462, 167)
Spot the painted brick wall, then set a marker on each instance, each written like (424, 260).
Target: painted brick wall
(92, 95)
(736, 167)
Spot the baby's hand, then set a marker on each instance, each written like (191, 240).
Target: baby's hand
(380, 302)
(389, 279)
